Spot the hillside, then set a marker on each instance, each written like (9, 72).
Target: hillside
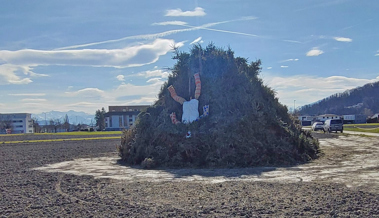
(361, 100)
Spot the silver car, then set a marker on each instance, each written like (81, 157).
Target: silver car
(317, 126)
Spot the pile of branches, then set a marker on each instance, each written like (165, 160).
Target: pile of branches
(246, 125)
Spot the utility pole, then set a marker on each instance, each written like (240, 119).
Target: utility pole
(294, 108)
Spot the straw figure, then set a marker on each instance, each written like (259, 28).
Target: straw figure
(190, 108)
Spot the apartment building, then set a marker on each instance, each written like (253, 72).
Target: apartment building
(17, 123)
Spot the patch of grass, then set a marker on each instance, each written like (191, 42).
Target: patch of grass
(68, 133)
(354, 129)
(60, 140)
(373, 125)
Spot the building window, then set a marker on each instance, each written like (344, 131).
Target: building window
(120, 121)
(19, 126)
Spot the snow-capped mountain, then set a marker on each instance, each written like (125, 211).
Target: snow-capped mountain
(74, 117)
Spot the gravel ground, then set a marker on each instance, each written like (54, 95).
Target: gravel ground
(35, 193)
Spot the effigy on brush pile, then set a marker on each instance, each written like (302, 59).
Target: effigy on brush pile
(214, 111)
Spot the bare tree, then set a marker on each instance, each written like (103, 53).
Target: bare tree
(36, 126)
(5, 123)
(66, 123)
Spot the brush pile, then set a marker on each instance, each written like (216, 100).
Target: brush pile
(246, 125)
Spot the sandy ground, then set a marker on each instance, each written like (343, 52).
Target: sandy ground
(83, 178)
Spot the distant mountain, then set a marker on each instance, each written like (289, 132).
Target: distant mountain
(361, 100)
(74, 117)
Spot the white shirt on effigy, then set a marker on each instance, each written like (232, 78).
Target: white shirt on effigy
(190, 111)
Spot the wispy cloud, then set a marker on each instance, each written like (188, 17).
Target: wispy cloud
(87, 93)
(269, 68)
(163, 34)
(377, 53)
(314, 52)
(154, 73)
(307, 89)
(196, 41)
(288, 60)
(198, 12)
(206, 27)
(127, 57)
(342, 39)
(154, 80)
(284, 66)
(120, 78)
(293, 41)
(169, 23)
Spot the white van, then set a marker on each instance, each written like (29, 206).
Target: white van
(333, 125)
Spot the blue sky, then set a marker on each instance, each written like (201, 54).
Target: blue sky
(84, 55)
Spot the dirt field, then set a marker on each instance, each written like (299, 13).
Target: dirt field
(83, 178)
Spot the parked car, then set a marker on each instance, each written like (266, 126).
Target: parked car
(333, 125)
(318, 126)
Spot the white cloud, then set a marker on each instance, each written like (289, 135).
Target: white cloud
(179, 13)
(196, 41)
(180, 44)
(307, 89)
(283, 66)
(292, 41)
(131, 90)
(291, 59)
(121, 77)
(377, 53)
(342, 39)
(87, 93)
(176, 23)
(143, 100)
(127, 57)
(154, 73)
(314, 52)
(11, 74)
(154, 80)
(269, 68)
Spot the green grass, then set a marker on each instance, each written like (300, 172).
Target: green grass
(68, 133)
(363, 125)
(370, 130)
(59, 140)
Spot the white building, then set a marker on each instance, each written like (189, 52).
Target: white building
(358, 118)
(327, 117)
(122, 117)
(18, 122)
